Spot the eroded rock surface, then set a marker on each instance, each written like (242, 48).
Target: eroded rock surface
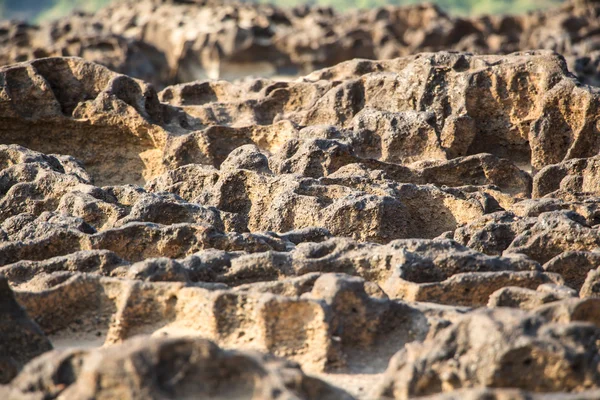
(21, 339)
(501, 348)
(426, 225)
(172, 369)
(168, 42)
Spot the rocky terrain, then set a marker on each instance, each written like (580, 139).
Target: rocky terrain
(421, 226)
(167, 42)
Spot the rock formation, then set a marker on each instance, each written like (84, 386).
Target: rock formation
(426, 225)
(167, 42)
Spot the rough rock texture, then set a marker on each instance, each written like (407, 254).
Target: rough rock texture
(20, 338)
(575, 177)
(456, 111)
(510, 394)
(168, 42)
(528, 299)
(591, 285)
(500, 348)
(170, 369)
(435, 216)
(317, 320)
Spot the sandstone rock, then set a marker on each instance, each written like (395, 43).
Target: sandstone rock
(27, 273)
(280, 203)
(569, 310)
(168, 368)
(167, 209)
(467, 289)
(577, 175)
(573, 266)
(238, 39)
(153, 134)
(514, 394)
(325, 157)
(332, 220)
(492, 233)
(528, 299)
(586, 206)
(451, 128)
(500, 348)
(20, 339)
(590, 287)
(74, 37)
(404, 137)
(406, 269)
(111, 310)
(158, 269)
(135, 241)
(81, 104)
(554, 233)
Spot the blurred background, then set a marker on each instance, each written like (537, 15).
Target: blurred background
(41, 10)
(167, 42)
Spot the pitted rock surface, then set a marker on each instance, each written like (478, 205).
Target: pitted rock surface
(397, 225)
(167, 42)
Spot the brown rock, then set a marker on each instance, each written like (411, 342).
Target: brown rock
(167, 368)
(500, 349)
(20, 339)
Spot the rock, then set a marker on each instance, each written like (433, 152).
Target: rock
(110, 310)
(467, 289)
(418, 204)
(21, 339)
(569, 310)
(159, 42)
(404, 137)
(168, 368)
(413, 270)
(158, 269)
(587, 207)
(247, 157)
(260, 200)
(573, 266)
(74, 37)
(529, 299)
(577, 176)
(135, 242)
(591, 287)
(554, 233)
(515, 394)
(197, 131)
(26, 273)
(497, 349)
(492, 233)
(73, 101)
(167, 209)
(326, 157)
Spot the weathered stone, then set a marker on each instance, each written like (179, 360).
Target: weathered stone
(578, 176)
(492, 233)
(591, 285)
(20, 339)
(168, 368)
(528, 299)
(81, 104)
(554, 233)
(333, 220)
(160, 42)
(574, 266)
(512, 394)
(500, 349)
(325, 157)
(110, 310)
(569, 310)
